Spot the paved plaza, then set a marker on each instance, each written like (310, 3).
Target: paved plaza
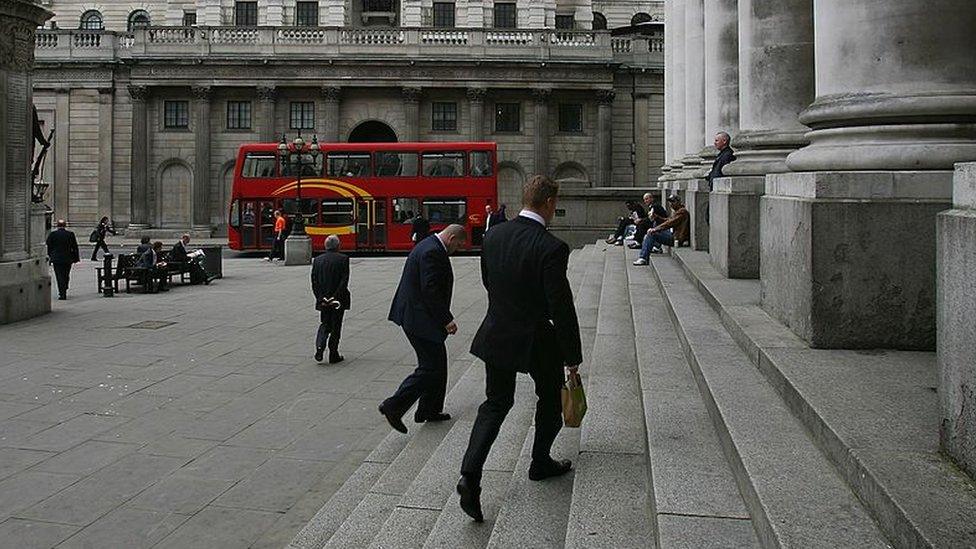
(197, 417)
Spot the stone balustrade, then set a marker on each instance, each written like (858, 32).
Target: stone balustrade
(334, 42)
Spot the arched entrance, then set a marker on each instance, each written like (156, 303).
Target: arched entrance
(372, 131)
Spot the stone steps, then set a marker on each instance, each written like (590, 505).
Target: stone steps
(403, 494)
(696, 502)
(791, 490)
(874, 414)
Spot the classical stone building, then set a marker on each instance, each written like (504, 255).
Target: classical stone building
(848, 119)
(25, 286)
(150, 100)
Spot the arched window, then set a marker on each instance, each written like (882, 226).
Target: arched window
(92, 20)
(138, 19)
(639, 18)
(599, 21)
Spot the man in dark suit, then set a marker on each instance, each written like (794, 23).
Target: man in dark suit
(530, 327)
(330, 284)
(422, 307)
(62, 252)
(725, 156)
(179, 259)
(155, 268)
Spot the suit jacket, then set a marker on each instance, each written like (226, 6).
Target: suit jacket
(330, 278)
(178, 253)
(494, 219)
(523, 267)
(62, 247)
(724, 157)
(422, 304)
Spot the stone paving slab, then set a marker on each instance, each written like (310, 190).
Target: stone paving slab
(216, 428)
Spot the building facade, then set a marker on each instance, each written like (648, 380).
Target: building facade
(150, 100)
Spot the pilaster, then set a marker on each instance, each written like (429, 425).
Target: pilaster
(139, 192)
(604, 137)
(332, 97)
(540, 138)
(411, 113)
(106, 130)
(267, 97)
(476, 110)
(202, 96)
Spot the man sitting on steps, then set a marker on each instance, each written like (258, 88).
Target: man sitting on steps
(672, 232)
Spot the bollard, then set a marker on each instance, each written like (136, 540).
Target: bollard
(108, 290)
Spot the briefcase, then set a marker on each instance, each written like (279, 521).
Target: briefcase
(574, 401)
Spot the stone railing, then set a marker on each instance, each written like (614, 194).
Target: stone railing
(333, 42)
(81, 45)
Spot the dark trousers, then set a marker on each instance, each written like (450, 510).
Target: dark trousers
(642, 227)
(500, 390)
(99, 245)
(622, 223)
(277, 248)
(330, 330)
(62, 273)
(428, 383)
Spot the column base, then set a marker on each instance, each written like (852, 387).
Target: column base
(848, 258)
(201, 231)
(25, 289)
(298, 250)
(733, 229)
(956, 246)
(696, 200)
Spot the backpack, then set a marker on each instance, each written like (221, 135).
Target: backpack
(93, 237)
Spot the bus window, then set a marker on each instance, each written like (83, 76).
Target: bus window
(337, 211)
(446, 210)
(311, 167)
(348, 164)
(443, 164)
(310, 209)
(405, 209)
(480, 163)
(259, 164)
(396, 164)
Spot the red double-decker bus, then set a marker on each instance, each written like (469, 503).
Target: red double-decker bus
(366, 193)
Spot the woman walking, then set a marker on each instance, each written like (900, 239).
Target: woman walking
(98, 236)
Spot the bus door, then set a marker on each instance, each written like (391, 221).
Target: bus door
(371, 223)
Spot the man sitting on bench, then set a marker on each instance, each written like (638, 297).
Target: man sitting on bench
(154, 267)
(183, 260)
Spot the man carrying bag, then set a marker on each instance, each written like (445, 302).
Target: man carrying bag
(530, 327)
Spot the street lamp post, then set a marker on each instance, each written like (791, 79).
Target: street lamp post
(298, 155)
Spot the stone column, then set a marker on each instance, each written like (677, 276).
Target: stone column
(604, 138)
(540, 138)
(330, 129)
(733, 238)
(694, 87)
(476, 110)
(106, 123)
(201, 160)
(956, 246)
(62, 134)
(25, 286)
(677, 94)
(139, 160)
(775, 83)
(848, 257)
(411, 113)
(668, 86)
(266, 112)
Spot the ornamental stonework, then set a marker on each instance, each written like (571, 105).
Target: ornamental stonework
(16, 44)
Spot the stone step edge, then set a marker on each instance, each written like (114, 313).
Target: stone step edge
(311, 536)
(769, 535)
(870, 489)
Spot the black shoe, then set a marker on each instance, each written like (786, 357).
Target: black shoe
(554, 468)
(424, 418)
(319, 355)
(62, 297)
(394, 420)
(336, 358)
(470, 494)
